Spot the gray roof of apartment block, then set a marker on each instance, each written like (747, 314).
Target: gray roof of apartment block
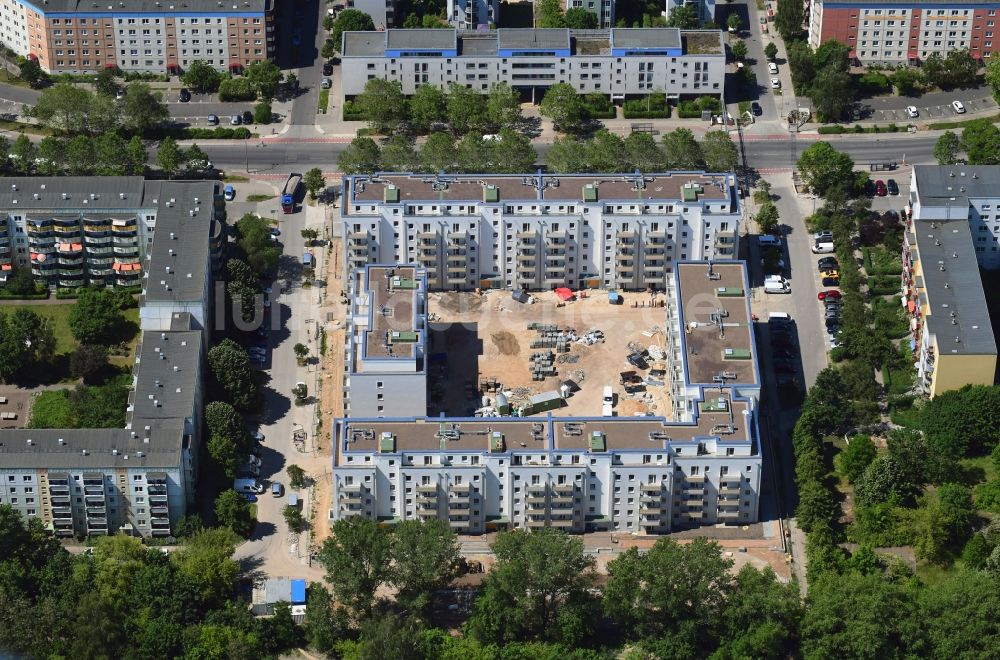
(940, 184)
(166, 7)
(91, 448)
(167, 372)
(646, 37)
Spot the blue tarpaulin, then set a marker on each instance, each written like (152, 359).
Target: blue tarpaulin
(298, 592)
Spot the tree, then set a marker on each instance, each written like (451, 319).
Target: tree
(684, 17)
(537, 589)
(606, 152)
(424, 557)
(770, 51)
(767, 218)
(852, 462)
(428, 106)
(964, 421)
(168, 156)
(734, 22)
(206, 563)
(142, 109)
(564, 107)
(832, 92)
(194, 158)
(236, 89)
(80, 155)
(739, 49)
(87, 361)
(642, 153)
(671, 585)
(720, 152)
(264, 77)
(107, 151)
(360, 157)
(95, 319)
(23, 153)
(550, 14)
(20, 282)
(135, 156)
(466, 109)
(293, 518)
(399, 155)
(908, 81)
(349, 20)
(356, 557)
(324, 625)
(883, 479)
(301, 352)
(955, 615)
(438, 153)
(682, 151)
(106, 82)
(31, 72)
(73, 110)
(761, 616)
(231, 367)
(947, 148)
(512, 153)
(296, 476)
(957, 69)
(569, 154)
(503, 105)
(846, 618)
(578, 18)
(382, 103)
(789, 18)
(823, 168)
(232, 510)
(202, 78)
(221, 419)
(254, 240)
(940, 526)
(262, 112)
(314, 181)
(981, 142)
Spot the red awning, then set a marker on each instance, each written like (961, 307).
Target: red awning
(564, 293)
(910, 305)
(6, 267)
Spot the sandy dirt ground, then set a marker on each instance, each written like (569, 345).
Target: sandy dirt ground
(331, 389)
(487, 337)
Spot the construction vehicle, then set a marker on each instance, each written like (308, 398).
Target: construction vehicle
(289, 194)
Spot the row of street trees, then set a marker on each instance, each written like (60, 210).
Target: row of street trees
(463, 110)
(71, 109)
(979, 142)
(108, 154)
(678, 150)
(510, 153)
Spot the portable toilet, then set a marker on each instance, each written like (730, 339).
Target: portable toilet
(293, 500)
(614, 298)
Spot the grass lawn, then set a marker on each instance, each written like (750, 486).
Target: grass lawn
(59, 314)
(259, 197)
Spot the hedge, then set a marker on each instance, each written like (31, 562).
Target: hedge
(7, 295)
(883, 285)
(599, 106)
(217, 133)
(836, 129)
(693, 109)
(351, 113)
(654, 107)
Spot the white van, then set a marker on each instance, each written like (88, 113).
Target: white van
(609, 394)
(822, 247)
(779, 317)
(776, 284)
(766, 240)
(607, 410)
(247, 486)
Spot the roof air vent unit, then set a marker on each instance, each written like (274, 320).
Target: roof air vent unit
(62, 441)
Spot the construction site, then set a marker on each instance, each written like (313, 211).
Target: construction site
(496, 353)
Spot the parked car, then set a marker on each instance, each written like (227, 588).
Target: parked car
(822, 247)
(258, 436)
(326, 83)
(213, 120)
(185, 96)
(250, 497)
(772, 68)
(775, 83)
(247, 117)
(893, 189)
(880, 190)
(831, 281)
(638, 361)
(828, 263)
(958, 107)
(832, 294)
(870, 188)
(327, 69)
(766, 240)
(911, 111)
(832, 274)
(235, 120)
(229, 193)
(825, 235)
(755, 109)
(277, 489)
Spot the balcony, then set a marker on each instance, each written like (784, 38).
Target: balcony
(427, 513)
(58, 489)
(537, 488)
(562, 502)
(427, 488)
(535, 500)
(458, 503)
(656, 238)
(563, 488)
(529, 258)
(626, 238)
(535, 509)
(561, 522)
(536, 523)
(652, 488)
(159, 511)
(61, 501)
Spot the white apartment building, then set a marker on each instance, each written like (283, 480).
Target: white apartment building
(540, 231)
(386, 345)
(639, 475)
(620, 62)
(473, 14)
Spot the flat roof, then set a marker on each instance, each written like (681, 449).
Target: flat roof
(958, 289)
(728, 424)
(702, 42)
(533, 38)
(715, 315)
(938, 184)
(167, 374)
(83, 194)
(645, 38)
(359, 44)
(183, 226)
(420, 39)
(668, 186)
(478, 45)
(91, 448)
(391, 308)
(165, 7)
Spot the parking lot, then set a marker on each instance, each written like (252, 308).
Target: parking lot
(933, 106)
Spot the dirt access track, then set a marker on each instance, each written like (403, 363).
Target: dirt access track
(485, 336)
